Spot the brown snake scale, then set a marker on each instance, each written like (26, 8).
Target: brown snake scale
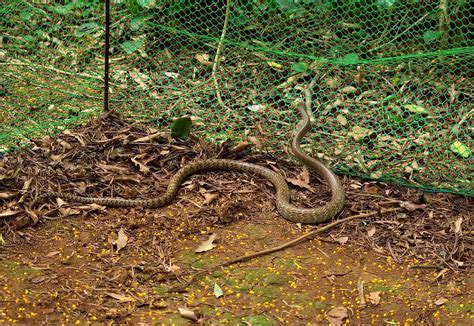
(285, 208)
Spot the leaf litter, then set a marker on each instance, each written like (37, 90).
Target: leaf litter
(412, 263)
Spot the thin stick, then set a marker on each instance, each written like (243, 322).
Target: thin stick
(107, 55)
(306, 236)
(218, 52)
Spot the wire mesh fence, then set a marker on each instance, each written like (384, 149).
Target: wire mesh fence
(392, 81)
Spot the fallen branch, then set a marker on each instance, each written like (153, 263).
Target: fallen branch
(218, 52)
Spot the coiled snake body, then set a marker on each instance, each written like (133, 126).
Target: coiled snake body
(285, 208)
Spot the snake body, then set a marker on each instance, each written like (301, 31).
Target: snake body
(285, 208)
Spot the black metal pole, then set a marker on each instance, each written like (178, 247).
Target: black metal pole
(107, 54)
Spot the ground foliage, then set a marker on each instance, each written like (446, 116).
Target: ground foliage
(411, 261)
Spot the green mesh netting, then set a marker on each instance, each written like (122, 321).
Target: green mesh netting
(392, 80)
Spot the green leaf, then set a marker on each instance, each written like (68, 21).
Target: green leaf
(416, 109)
(131, 46)
(286, 4)
(431, 36)
(86, 29)
(299, 66)
(181, 128)
(351, 58)
(26, 15)
(137, 23)
(460, 149)
(218, 291)
(146, 3)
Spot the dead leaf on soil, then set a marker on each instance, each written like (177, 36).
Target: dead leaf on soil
(441, 273)
(209, 198)
(120, 297)
(218, 291)
(141, 166)
(113, 168)
(440, 301)
(371, 231)
(208, 244)
(258, 143)
(337, 315)
(243, 145)
(374, 297)
(203, 58)
(9, 212)
(121, 240)
(457, 225)
(188, 314)
(341, 240)
(6, 195)
(411, 206)
(68, 211)
(39, 279)
(26, 185)
(341, 119)
(60, 202)
(300, 183)
(52, 253)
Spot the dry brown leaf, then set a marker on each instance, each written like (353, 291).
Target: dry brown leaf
(52, 253)
(411, 206)
(457, 225)
(68, 211)
(188, 314)
(6, 195)
(374, 297)
(304, 175)
(342, 240)
(300, 183)
(441, 273)
(203, 58)
(26, 185)
(60, 202)
(208, 244)
(209, 198)
(113, 168)
(441, 301)
(349, 89)
(58, 158)
(141, 166)
(258, 143)
(341, 119)
(371, 231)
(9, 212)
(121, 240)
(337, 315)
(120, 297)
(241, 146)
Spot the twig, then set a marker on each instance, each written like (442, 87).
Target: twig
(308, 99)
(399, 35)
(33, 65)
(218, 52)
(306, 236)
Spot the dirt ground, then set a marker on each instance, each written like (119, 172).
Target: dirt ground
(409, 261)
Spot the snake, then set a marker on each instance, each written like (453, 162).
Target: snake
(285, 208)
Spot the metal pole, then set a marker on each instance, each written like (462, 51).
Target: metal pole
(107, 53)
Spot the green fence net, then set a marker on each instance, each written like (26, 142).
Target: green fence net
(392, 81)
